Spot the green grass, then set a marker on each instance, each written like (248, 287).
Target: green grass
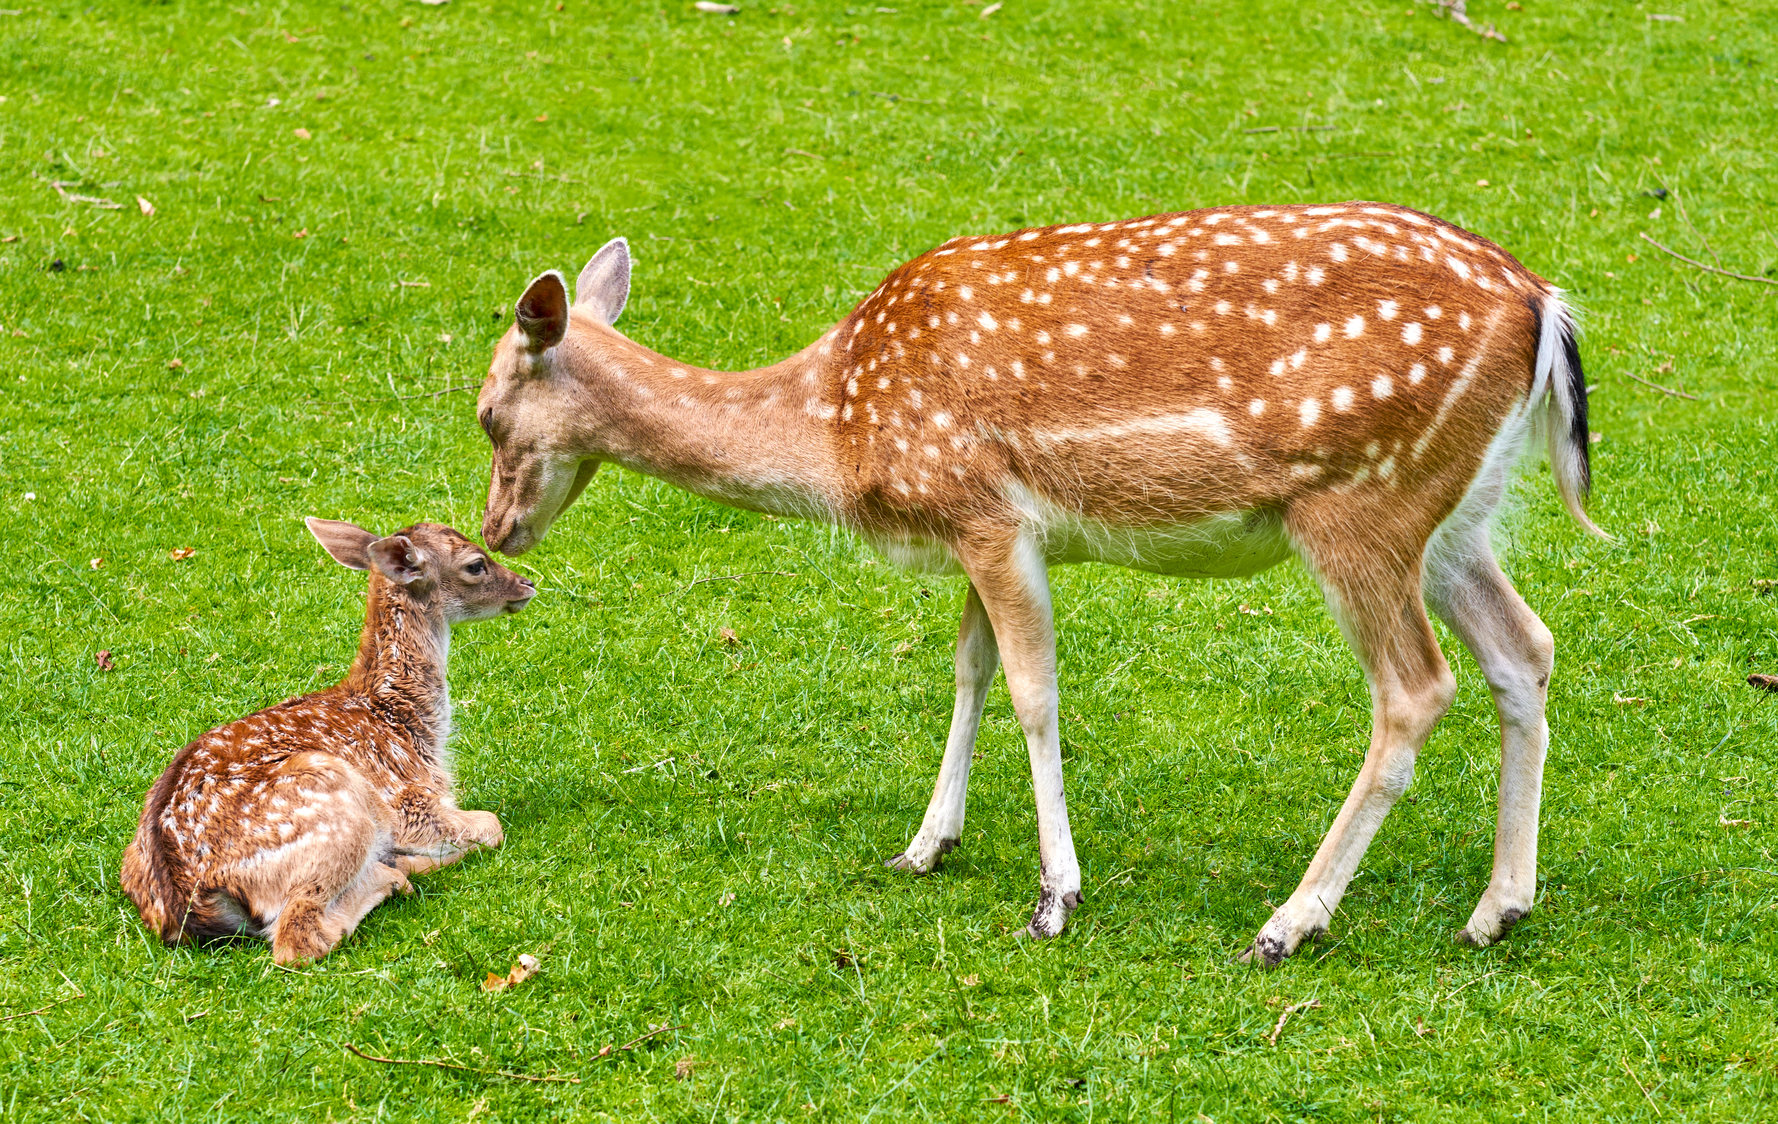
(695, 829)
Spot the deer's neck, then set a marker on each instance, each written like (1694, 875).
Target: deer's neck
(760, 439)
(400, 667)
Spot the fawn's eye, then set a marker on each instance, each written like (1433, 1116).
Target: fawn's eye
(476, 568)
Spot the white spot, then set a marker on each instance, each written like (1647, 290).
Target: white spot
(1382, 386)
(1077, 329)
(1445, 355)
(1410, 332)
(1297, 360)
(1322, 332)
(1463, 320)
(1277, 366)
(1386, 309)
(1433, 312)
(1416, 373)
(1337, 251)
(1257, 407)
(1355, 327)
(1315, 275)
(1231, 267)
(1168, 329)
(1342, 398)
(1309, 410)
(965, 292)
(1222, 308)
(987, 321)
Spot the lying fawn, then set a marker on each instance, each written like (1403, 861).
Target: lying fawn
(1203, 394)
(293, 823)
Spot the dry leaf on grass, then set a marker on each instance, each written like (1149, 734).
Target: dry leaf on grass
(302, 133)
(1763, 682)
(181, 553)
(716, 9)
(1724, 821)
(175, 364)
(522, 971)
(683, 1067)
(103, 659)
(145, 205)
(1627, 700)
(727, 636)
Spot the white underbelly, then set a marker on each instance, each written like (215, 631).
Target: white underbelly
(1232, 545)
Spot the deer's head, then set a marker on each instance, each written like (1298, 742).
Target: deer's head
(535, 405)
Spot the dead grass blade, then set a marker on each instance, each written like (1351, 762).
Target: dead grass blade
(437, 1064)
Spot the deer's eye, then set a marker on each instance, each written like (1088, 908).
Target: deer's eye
(476, 568)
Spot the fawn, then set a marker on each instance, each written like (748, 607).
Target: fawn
(293, 823)
(1203, 393)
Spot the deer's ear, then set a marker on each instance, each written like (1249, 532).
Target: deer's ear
(604, 285)
(397, 558)
(344, 542)
(543, 312)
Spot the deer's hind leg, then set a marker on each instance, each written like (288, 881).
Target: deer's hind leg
(321, 861)
(1373, 590)
(978, 658)
(1465, 586)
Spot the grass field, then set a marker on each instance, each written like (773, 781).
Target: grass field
(347, 198)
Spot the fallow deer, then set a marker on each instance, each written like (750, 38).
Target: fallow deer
(293, 823)
(1204, 393)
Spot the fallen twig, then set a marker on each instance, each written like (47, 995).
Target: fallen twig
(465, 1068)
(738, 577)
(1764, 682)
(437, 393)
(656, 765)
(1284, 1016)
(1293, 129)
(1707, 268)
(40, 1010)
(69, 197)
(1663, 389)
(640, 1038)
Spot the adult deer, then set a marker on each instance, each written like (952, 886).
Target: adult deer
(1204, 394)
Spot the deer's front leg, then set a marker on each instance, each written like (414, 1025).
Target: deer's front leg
(1013, 582)
(431, 831)
(978, 657)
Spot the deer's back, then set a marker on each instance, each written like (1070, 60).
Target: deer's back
(1161, 371)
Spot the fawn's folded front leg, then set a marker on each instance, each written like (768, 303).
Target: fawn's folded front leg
(1013, 581)
(977, 659)
(432, 831)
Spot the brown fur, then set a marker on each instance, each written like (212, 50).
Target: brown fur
(293, 822)
(1201, 393)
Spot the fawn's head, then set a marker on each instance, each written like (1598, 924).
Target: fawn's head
(433, 563)
(546, 440)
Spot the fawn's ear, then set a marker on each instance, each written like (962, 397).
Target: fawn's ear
(543, 312)
(344, 542)
(604, 285)
(397, 558)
